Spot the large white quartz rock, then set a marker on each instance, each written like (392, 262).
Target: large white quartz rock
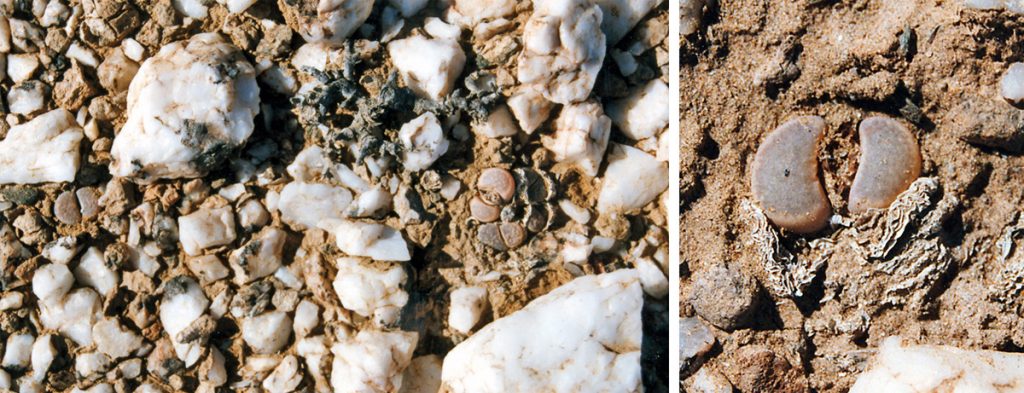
(18, 351)
(530, 108)
(642, 114)
(938, 368)
(361, 239)
(621, 15)
(74, 315)
(189, 106)
(424, 142)
(371, 361)
(267, 333)
(183, 303)
(42, 150)
(93, 271)
(369, 291)
(43, 354)
(51, 282)
(563, 49)
(206, 228)
(632, 180)
(583, 336)
(328, 22)
(581, 137)
(429, 66)
(303, 205)
(114, 340)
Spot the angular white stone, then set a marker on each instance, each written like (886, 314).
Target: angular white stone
(307, 318)
(51, 282)
(206, 228)
(208, 268)
(74, 316)
(92, 270)
(530, 108)
(371, 361)
(369, 203)
(260, 257)
(61, 250)
(938, 368)
(581, 137)
(133, 49)
(576, 213)
(1012, 85)
(212, 372)
(632, 180)
(285, 377)
(12, 301)
(563, 49)
(87, 364)
(188, 106)
(583, 336)
(424, 142)
(18, 352)
(642, 114)
(498, 124)
(423, 375)
(470, 13)
(303, 205)
(334, 21)
(21, 67)
(695, 339)
(429, 66)
(42, 150)
(437, 28)
(369, 291)
(5, 380)
(183, 303)
(267, 333)
(621, 15)
(467, 304)
(360, 239)
(191, 8)
(43, 353)
(652, 278)
(114, 340)
(252, 215)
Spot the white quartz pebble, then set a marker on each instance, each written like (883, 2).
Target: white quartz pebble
(642, 114)
(328, 22)
(183, 303)
(467, 304)
(652, 278)
(585, 335)
(260, 257)
(307, 318)
(303, 205)
(579, 214)
(632, 180)
(43, 353)
(237, 6)
(21, 67)
(379, 242)
(208, 268)
(424, 142)
(423, 375)
(5, 380)
(499, 123)
(27, 98)
(92, 363)
(191, 8)
(898, 367)
(206, 228)
(563, 49)
(51, 282)
(530, 108)
(285, 377)
(429, 66)
(267, 333)
(188, 107)
(93, 271)
(115, 340)
(372, 202)
(371, 361)
(74, 316)
(18, 351)
(369, 291)
(42, 150)
(1012, 85)
(581, 137)
(212, 372)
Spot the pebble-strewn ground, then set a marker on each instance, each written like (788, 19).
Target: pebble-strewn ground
(347, 196)
(940, 266)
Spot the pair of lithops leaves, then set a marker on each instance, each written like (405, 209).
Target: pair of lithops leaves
(509, 202)
(785, 180)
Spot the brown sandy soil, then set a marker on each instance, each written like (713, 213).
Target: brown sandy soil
(755, 64)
